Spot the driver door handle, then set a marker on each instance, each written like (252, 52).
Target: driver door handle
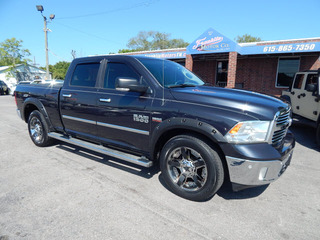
(106, 100)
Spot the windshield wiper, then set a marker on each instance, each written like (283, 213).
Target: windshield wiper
(183, 85)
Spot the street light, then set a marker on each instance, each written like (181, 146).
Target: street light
(41, 9)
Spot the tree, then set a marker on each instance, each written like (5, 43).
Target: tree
(152, 40)
(12, 53)
(247, 38)
(59, 70)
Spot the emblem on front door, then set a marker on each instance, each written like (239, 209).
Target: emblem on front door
(140, 118)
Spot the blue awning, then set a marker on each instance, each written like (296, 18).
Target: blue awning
(212, 41)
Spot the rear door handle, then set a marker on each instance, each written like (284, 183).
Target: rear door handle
(67, 95)
(107, 100)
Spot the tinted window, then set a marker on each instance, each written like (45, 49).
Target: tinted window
(298, 81)
(169, 73)
(118, 70)
(85, 75)
(311, 79)
(287, 67)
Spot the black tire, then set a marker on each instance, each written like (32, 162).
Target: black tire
(38, 129)
(7, 92)
(191, 168)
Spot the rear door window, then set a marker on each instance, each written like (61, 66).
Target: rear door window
(311, 79)
(85, 75)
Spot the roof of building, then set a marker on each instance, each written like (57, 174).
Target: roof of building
(23, 68)
(211, 42)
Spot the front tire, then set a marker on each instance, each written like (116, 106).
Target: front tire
(191, 168)
(38, 129)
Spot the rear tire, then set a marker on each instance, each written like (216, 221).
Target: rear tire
(191, 168)
(38, 129)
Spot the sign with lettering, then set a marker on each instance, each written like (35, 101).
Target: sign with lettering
(165, 55)
(280, 48)
(212, 41)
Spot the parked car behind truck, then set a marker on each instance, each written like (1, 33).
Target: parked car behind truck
(304, 97)
(150, 111)
(4, 88)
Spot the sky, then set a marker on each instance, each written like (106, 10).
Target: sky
(92, 27)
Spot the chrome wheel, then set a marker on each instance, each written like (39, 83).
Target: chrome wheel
(36, 129)
(187, 168)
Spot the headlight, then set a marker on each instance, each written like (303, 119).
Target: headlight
(249, 132)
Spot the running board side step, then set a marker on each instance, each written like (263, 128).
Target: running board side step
(141, 161)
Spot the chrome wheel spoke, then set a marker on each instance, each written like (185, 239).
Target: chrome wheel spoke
(199, 163)
(184, 153)
(181, 180)
(196, 181)
(174, 163)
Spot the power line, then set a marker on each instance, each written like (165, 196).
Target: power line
(146, 3)
(89, 34)
(57, 56)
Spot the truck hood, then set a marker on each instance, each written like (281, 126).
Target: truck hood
(256, 105)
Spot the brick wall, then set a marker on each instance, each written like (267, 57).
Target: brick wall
(260, 74)
(232, 69)
(206, 70)
(189, 62)
(309, 63)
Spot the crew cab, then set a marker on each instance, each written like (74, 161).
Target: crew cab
(152, 111)
(304, 97)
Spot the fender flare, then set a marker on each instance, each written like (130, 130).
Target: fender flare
(38, 104)
(193, 125)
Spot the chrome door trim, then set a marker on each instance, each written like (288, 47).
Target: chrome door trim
(143, 132)
(123, 128)
(79, 119)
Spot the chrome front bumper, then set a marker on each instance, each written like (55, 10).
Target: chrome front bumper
(255, 173)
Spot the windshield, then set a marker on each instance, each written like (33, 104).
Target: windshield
(170, 74)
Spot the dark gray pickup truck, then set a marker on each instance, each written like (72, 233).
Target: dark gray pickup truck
(150, 111)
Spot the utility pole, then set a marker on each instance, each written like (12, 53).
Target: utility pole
(40, 9)
(46, 46)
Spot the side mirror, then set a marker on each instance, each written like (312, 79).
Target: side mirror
(130, 84)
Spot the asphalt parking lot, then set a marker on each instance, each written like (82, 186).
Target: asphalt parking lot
(63, 192)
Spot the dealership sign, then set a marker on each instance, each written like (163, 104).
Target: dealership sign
(212, 41)
(280, 48)
(165, 55)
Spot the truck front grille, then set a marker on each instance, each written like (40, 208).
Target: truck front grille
(282, 123)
